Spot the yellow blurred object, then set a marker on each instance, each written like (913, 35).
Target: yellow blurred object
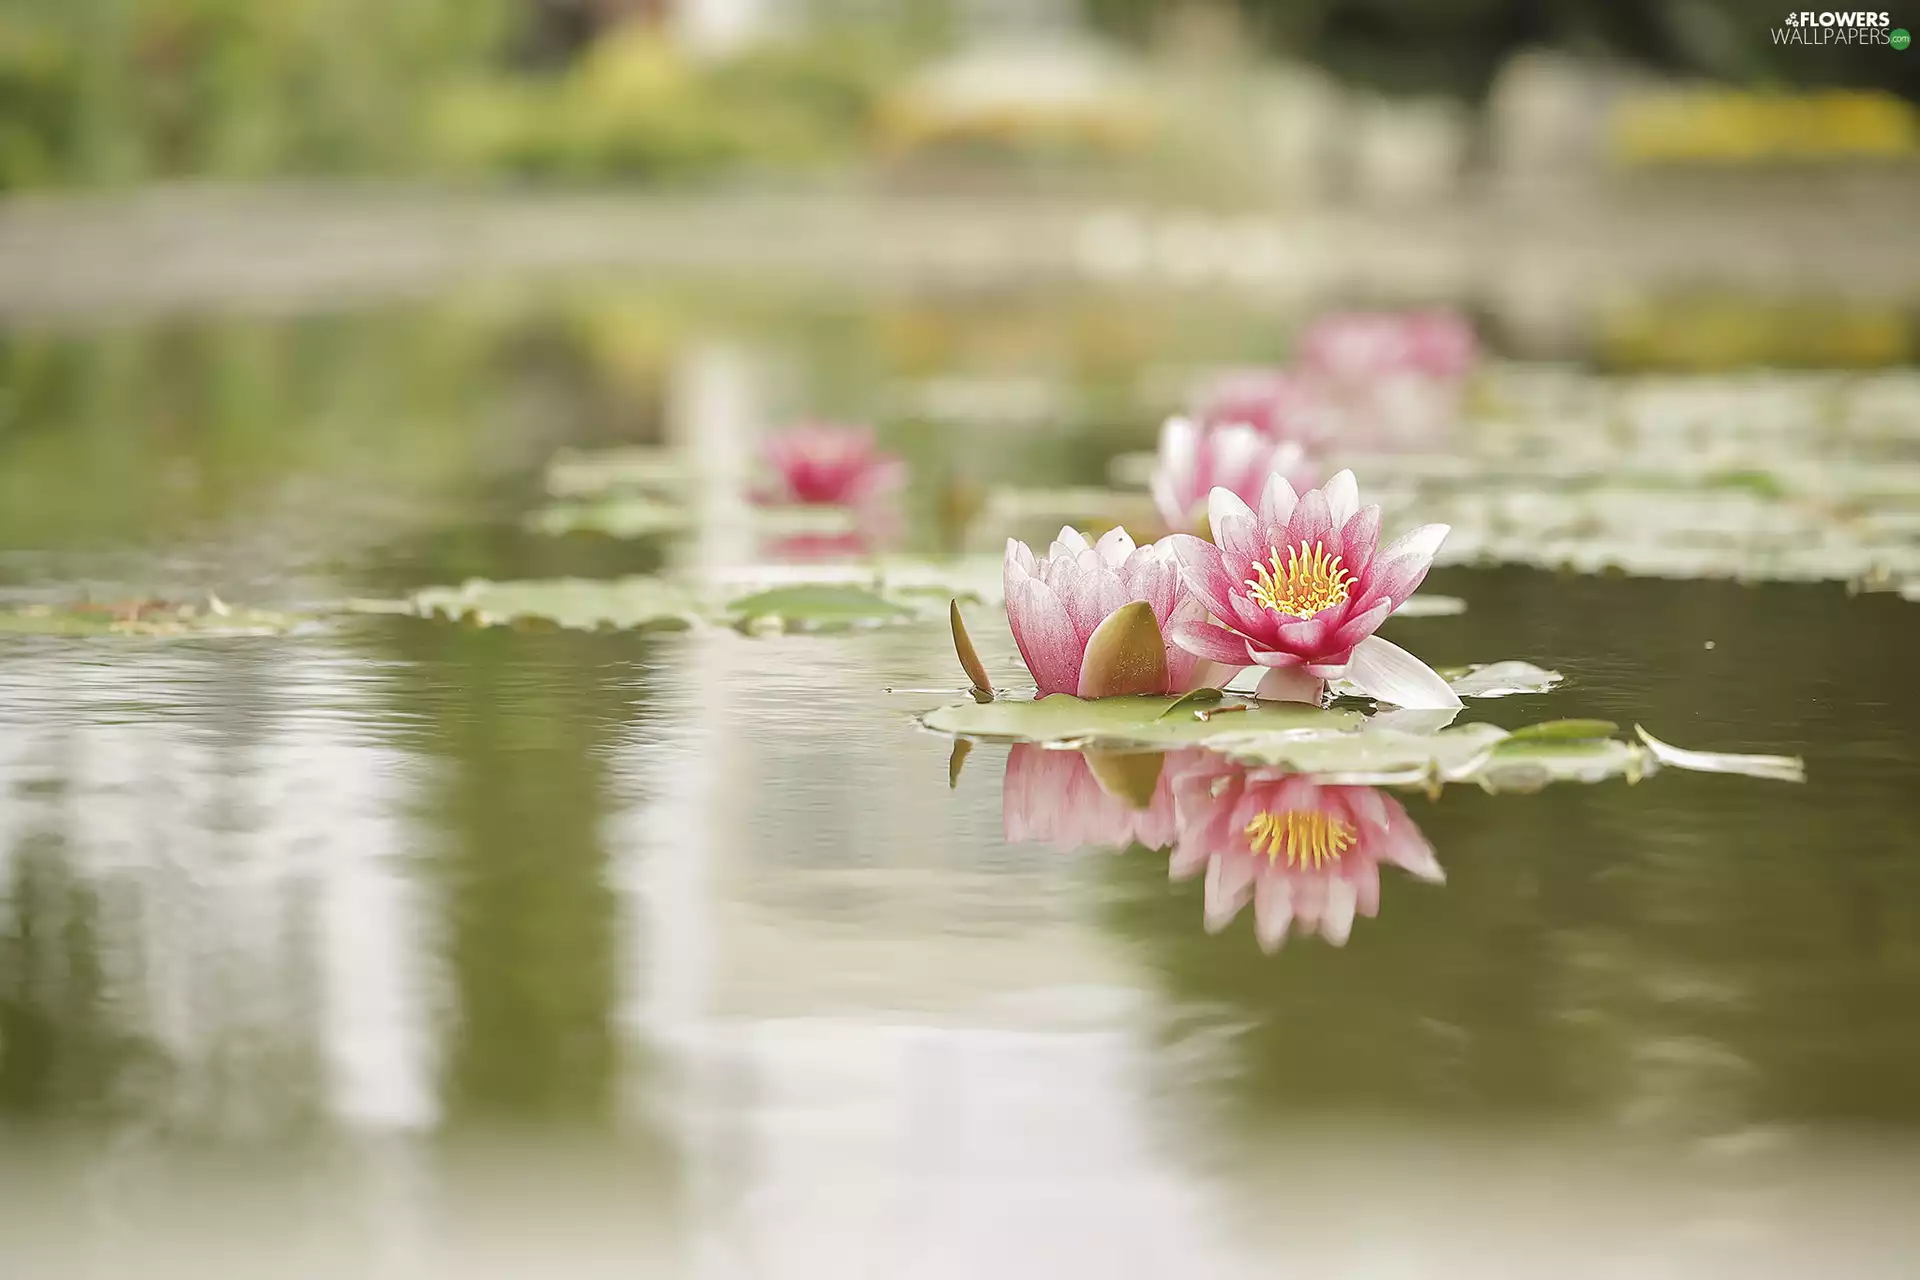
(1706, 334)
(1719, 126)
(1051, 96)
(634, 68)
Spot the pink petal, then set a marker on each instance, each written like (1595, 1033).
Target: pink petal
(1343, 498)
(1312, 522)
(1359, 538)
(1358, 626)
(1277, 501)
(1232, 522)
(1206, 577)
(1215, 644)
(1048, 643)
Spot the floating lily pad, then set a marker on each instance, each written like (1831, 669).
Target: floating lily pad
(580, 474)
(146, 617)
(630, 516)
(586, 604)
(1566, 731)
(973, 579)
(816, 607)
(1428, 605)
(1369, 755)
(1501, 679)
(1132, 721)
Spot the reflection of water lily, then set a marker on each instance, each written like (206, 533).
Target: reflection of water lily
(1302, 583)
(1070, 618)
(1071, 800)
(1308, 855)
(1195, 458)
(825, 464)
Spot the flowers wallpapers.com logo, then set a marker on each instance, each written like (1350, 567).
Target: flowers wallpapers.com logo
(1830, 27)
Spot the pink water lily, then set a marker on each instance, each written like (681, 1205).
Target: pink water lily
(825, 464)
(1277, 403)
(1196, 458)
(1307, 855)
(1362, 346)
(1302, 582)
(1057, 605)
(1058, 798)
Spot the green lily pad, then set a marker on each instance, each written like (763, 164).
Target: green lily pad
(144, 617)
(1132, 721)
(1565, 730)
(586, 604)
(581, 474)
(816, 607)
(627, 516)
(1369, 755)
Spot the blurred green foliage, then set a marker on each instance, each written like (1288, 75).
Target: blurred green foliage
(633, 105)
(132, 90)
(124, 91)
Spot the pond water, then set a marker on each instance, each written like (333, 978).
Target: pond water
(398, 947)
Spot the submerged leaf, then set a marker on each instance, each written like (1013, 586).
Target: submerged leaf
(957, 760)
(1125, 654)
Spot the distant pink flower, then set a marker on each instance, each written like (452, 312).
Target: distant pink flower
(1307, 854)
(1195, 459)
(821, 463)
(1054, 798)
(1303, 583)
(1275, 402)
(1358, 346)
(1055, 604)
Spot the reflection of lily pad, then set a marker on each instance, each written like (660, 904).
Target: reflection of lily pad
(577, 474)
(817, 606)
(143, 617)
(630, 516)
(1428, 605)
(573, 603)
(1131, 721)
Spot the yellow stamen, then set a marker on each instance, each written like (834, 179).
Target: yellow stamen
(1308, 581)
(1307, 838)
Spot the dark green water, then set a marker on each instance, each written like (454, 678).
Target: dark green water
(397, 948)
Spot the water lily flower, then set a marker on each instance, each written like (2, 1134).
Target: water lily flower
(1072, 615)
(1359, 347)
(1073, 800)
(1196, 458)
(826, 464)
(1301, 582)
(1308, 855)
(1277, 403)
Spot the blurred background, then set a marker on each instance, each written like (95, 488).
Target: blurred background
(395, 946)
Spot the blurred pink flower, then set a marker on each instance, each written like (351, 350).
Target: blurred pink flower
(1195, 459)
(825, 464)
(1055, 605)
(1275, 402)
(1359, 346)
(1303, 583)
(1307, 854)
(1056, 798)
